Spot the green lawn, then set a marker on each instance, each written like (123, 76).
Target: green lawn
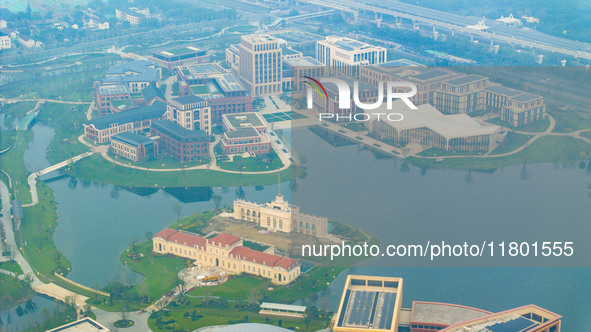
(162, 162)
(68, 126)
(199, 89)
(179, 318)
(12, 162)
(241, 287)
(434, 152)
(243, 28)
(511, 142)
(252, 164)
(193, 223)
(69, 86)
(11, 266)
(18, 110)
(545, 149)
(160, 271)
(96, 169)
(536, 127)
(13, 291)
(37, 229)
(233, 289)
(7, 139)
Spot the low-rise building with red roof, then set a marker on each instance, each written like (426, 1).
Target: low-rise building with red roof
(227, 252)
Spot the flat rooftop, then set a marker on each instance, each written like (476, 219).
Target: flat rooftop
(200, 71)
(444, 313)
(179, 133)
(244, 120)
(348, 44)
(432, 74)
(83, 325)
(154, 111)
(499, 89)
(466, 79)
(242, 133)
(306, 61)
(229, 83)
(370, 303)
(525, 97)
(113, 89)
(400, 63)
(181, 51)
(132, 138)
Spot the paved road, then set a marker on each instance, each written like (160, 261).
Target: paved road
(10, 239)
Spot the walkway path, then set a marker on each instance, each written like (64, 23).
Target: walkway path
(103, 150)
(32, 179)
(10, 238)
(15, 100)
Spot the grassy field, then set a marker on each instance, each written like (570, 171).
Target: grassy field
(160, 271)
(252, 164)
(511, 142)
(162, 162)
(536, 127)
(307, 285)
(180, 317)
(11, 266)
(73, 84)
(18, 110)
(68, 126)
(96, 169)
(37, 230)
(433, 152)
(545, 149)
(12, 162)
(13, 291)
(7, 139)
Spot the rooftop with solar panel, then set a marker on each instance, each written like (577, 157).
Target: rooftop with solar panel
(528, 318)
(369, 304)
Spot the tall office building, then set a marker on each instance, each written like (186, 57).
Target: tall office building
(260, 64)
(346, 54)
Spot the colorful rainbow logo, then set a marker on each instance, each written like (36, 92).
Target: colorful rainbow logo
(317, 86)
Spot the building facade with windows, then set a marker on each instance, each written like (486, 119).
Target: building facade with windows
(132, 146)
(180, 143)
(260, 57)
(106, 94)
(345, 55)
(429, 128)
(227, 252)
(190, 112)
(100, 130)
(280, 216)
(223, 90)
(5, 42)
(136, 75)
(183, 56)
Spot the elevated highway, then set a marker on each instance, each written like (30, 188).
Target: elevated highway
(459, 24)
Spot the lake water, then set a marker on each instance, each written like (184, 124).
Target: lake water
(399, 203)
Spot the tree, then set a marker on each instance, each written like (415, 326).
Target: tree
(254, 295)
(217, 201)
(149, 235)
(178, 210)
(29, 11)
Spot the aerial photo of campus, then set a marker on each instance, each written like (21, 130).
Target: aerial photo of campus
(295, 165)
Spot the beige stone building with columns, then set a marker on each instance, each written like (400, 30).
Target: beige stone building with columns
(227, 252)
(280, 216)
